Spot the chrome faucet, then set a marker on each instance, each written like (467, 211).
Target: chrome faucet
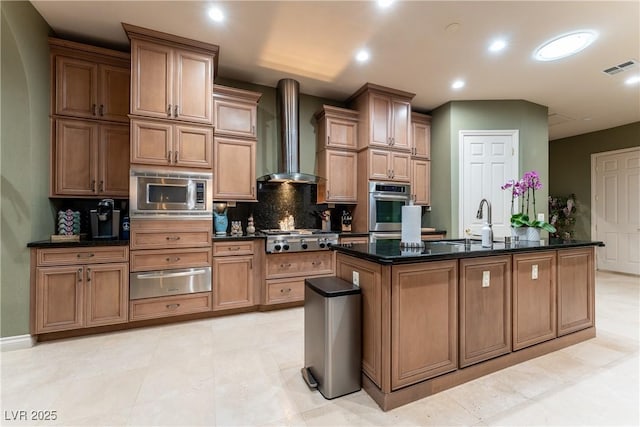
(488, 222)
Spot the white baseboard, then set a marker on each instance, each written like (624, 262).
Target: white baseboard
(16, 342)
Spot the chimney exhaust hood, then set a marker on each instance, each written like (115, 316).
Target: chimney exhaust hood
(288, 110)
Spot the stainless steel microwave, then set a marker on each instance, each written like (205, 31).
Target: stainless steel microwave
(170, 193)
(385, 205)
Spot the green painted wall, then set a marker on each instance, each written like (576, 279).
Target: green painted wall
(531, 121)
(25, 210)
(570, 166)
(268, 145)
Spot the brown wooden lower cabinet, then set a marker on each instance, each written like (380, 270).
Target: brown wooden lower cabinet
(534, 298)
(284, 290)
(576, 290)
(152, 308)
(79, 296)
(485, 308)
(424, 321)
(232, 282)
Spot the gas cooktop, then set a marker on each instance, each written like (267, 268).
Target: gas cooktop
(297, 231)
(300, 240)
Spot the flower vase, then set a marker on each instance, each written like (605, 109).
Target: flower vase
(533, 234)
(221, 222)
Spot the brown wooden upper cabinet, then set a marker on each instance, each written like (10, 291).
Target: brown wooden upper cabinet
(337, 128)
(171, 77)
(420, 135)
(386, 165)
(385, 116)
(235, 111)
(90, 82)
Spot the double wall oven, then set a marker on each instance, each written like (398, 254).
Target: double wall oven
(385, 209)
(161, 194)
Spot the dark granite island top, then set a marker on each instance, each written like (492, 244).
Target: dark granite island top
(390, 252)
(445, 314)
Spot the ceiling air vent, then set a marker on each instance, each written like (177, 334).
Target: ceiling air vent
(557, 119)
(620, 67)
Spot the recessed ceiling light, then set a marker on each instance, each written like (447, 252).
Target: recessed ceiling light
(564, 45)
(385, 3)
(362, 55)
(633, 80)
(497, 45)
(216, 14)
(458, 84)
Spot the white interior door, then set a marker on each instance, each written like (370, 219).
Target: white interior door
(488, 160)
(615, 216)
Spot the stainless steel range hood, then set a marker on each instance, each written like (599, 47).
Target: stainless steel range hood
(288, 105)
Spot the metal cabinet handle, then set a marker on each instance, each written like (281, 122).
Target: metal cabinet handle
(285, 290)
(93, 109)
(79, 275)
(235, 248)
(93, 185)
(101, 110)
(175, 157)
(169, 111)
(251, 264)
(174, 259)
(169, 157)
(175, 111)
(253, 129)
(85, 255)
(173, 237)
(316, 263)
(253, 190)
(173, 306)
(101, 186)
(285, 265)
(88, 275)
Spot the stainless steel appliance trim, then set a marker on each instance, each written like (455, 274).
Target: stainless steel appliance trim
(373, 237)
(161, 283)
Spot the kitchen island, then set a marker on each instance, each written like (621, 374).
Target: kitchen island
(439, 316)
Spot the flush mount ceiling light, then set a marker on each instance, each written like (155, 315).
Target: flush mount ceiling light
(383, 4)
(497, 45)
(633, 80)
(216, 14)
(458, 84)
(564, 45)
(362, 55)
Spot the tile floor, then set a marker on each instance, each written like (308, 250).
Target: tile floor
(244, 370)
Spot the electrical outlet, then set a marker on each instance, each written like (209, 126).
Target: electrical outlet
(534, 272)
(355, 278)
(486, 279)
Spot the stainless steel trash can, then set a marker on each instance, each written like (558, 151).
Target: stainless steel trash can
(332, 336)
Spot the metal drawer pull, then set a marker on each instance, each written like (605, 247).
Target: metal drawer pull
(174, 259)
(85, 255)
(101, 110)
(169, 111)
(175, 111)
(287, 290)
(93, 109)
(168, 156)
(166, 275)
(172, 306)
(316, 263)
(173, 237)
(235, 248)
(79, 275)
(93, 185)
(88, 275)
(175, 158)
(285, 265)
(101, 186)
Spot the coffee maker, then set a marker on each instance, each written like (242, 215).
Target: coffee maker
(105, 221)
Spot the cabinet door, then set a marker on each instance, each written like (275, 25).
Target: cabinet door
(107, 294)
(379, 168)
(401, 112)
(232, 282)
(342, 133)
(235, 118)
(400, 165)
(59, 296)
(193, 146)
(576, 288)
(380, 109)
(76, 87)
(424, 327)
(534, 299)
(421, 181)
(193, 87)
(340, 168)
(421, 139)
(485, 308)
(235, 169)
(151, 142)
(113, 148)
(76, 158)
(114, 93)
(152, 75)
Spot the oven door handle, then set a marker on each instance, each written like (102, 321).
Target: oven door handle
(389, 197)
(165, 275)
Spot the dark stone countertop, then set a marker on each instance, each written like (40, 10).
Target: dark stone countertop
(81, 244)
(389, 251)
(230, 238)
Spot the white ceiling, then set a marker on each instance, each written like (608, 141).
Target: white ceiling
(315, 42)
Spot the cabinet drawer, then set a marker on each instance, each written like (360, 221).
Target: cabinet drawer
(285, 290)
(307, 264)
(232, 248)
(94, 255)
(169, 234)
(169, 259)
(354, 240)
(152, 308)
